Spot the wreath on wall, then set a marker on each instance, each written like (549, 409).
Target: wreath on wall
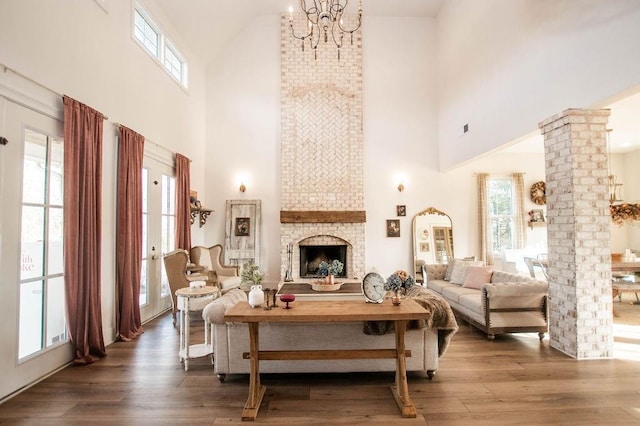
(537, 192)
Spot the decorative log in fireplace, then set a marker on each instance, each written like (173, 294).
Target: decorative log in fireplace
(312, 256)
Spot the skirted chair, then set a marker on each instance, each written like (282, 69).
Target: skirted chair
(212, 259)
(175, 264)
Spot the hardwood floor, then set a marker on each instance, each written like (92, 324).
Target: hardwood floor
(513, 380)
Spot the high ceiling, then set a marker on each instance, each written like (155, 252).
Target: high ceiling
(623, 122)
(207, 25)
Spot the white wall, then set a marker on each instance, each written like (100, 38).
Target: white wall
(505, 65)
(243, 134)
(75, 48)
(400, 135)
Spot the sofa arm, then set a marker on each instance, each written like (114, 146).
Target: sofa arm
(214, 312)
(507, 289)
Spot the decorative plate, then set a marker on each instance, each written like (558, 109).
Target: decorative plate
(321, 286)
(424, 234)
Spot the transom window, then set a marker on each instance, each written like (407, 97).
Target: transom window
(153, 40)
(146, 34)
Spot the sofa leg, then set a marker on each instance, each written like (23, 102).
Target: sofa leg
(430, 374)
(491, 337)
(541, 336)
(222, 377)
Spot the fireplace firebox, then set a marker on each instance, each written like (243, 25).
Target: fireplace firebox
(312, 256)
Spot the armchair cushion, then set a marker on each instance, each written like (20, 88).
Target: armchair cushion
(228, 276)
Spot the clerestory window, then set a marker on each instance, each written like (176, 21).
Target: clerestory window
(153, 41)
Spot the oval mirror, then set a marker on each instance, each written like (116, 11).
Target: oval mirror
(432, 239)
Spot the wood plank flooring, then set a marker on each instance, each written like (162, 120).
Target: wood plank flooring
(513, 380)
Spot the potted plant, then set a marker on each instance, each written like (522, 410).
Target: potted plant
(251, 273)
(330, 270)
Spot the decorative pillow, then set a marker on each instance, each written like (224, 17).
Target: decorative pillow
(451, 264)
(460, 269)
(477, 276)
(447, 275)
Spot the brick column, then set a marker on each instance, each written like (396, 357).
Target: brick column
(580, 302)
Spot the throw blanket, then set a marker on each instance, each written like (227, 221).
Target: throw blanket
(442, 318)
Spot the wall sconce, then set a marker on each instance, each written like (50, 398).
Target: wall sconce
(243, 188)
(400, 187)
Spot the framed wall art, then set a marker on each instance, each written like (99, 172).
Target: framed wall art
(393, 228)
(243, 227)
(401, 210)
(536, 215)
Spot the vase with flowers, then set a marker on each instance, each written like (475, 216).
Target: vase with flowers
(330, 269)
(398, 282)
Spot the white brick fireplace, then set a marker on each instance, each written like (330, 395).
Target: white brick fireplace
(322, 153)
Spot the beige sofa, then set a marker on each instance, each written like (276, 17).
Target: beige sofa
(231, 340)
(509, 303)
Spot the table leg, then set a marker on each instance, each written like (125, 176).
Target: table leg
(256, 390)
(181, 345)
(401, 390)
(186, 337)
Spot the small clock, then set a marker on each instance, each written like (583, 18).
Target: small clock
(373, 287)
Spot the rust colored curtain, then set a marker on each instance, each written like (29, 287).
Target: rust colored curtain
(82, 229)
(129, 234)
(183, 205)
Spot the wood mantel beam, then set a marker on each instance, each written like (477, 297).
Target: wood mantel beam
(322, 216)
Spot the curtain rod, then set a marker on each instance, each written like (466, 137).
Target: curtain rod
(6, 68)
(116, 124)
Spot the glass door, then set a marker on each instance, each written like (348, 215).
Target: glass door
(32, 291)
(158, 238)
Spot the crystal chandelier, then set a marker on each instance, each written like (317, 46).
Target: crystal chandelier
(324, 19)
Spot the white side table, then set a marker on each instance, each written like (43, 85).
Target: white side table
(192, 299)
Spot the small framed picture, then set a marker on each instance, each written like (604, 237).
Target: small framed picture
(393, 228)
(401, 210)
(243, 225)
(424, 246)
(536, 215)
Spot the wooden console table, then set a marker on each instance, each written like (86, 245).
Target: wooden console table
(328, 311)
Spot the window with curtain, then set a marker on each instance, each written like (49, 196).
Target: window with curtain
(502, 213)
(42, 291)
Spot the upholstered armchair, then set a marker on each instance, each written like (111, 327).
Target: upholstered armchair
(228, 276)
(175, 265)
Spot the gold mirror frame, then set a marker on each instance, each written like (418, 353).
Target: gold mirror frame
(432, 239)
